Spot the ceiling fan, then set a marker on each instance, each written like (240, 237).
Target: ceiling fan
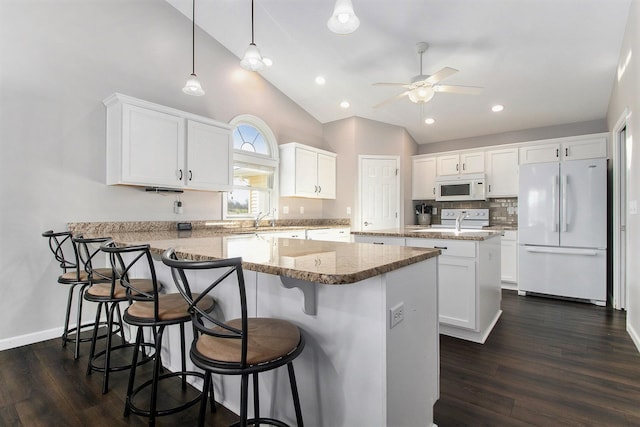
(423, 87)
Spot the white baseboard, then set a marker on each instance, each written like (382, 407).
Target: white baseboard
(19, 341)
(634, 336)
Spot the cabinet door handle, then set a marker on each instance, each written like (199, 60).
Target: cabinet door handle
(489, 188)
(190, 175)
(316, 189)
(457, 167)
(378, 243)
(434, 190)
(557, 153)
(180, 177)
(319, 189)
(440, 247)
(566, 152)
(464, 166)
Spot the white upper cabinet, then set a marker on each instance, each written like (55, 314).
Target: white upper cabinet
(460, 163)
(502, 172)
(209, 154)
(561, 149)
(153, 145)
(423, 182)
(307, 172)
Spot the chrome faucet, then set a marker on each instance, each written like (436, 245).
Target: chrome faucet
(461, 217)
(260, 216)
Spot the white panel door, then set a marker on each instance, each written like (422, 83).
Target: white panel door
(583, 219)
(379, 193)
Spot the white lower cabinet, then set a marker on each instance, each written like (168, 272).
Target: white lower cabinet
(457, 291)
(469, 292)
(330, 234)
(509, 258)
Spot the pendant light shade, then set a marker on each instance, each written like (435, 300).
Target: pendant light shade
(344, 19)
(193, 86)
(252, 59)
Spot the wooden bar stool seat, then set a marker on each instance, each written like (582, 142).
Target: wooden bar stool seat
(242, 346)
(65, 252)
(149, 308)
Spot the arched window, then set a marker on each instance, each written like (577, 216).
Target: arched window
(255, 170)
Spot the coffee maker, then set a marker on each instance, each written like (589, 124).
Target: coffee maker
(423, 214)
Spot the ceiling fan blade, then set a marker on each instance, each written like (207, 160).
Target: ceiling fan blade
(441, 75)
(393, 98)
(391, 84)
(464, 90)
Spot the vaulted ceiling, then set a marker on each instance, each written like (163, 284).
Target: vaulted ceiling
(548, 62)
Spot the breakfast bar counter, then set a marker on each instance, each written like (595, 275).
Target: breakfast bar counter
(369, 314)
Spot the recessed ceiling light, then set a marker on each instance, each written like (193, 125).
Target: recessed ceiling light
(429, 120)
(345, 104)
(320, 80)
(267, 61)
(497, 108)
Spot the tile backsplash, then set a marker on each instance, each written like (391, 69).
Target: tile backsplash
(502, 211)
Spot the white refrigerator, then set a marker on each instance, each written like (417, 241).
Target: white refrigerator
(562, 229)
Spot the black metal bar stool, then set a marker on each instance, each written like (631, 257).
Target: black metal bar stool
(243, 346)
(65, 252)
(149, 308)
(108, 294)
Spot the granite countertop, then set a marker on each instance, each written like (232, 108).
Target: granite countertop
(332, 263)
(425, 232)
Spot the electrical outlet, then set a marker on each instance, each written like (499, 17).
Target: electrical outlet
(301, 210)
(396, 314)
(348, 210)
(285, 210)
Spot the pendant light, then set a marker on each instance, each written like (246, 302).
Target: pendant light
(252, 59)
(344, 19)
(193, 86)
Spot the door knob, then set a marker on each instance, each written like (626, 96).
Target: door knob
(367, 223)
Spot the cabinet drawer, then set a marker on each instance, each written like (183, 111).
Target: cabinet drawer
(380, 240)
(448, 247)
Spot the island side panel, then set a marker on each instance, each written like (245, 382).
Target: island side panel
(489, 285)
(413, 345)
(341, 372)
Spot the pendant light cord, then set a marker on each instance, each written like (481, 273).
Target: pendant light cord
(252, 42)
(193, 39)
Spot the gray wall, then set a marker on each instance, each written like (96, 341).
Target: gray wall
(60, 59)
(626, 94)
(571, 129)
(354, 136)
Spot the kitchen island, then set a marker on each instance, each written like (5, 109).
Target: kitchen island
(356, 368)
(469, 280)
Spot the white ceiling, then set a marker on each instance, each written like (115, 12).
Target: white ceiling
(548, 62)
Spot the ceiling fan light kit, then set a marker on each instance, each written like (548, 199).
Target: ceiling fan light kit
(252, 59)
(423, 87)
(344, 19)
(193, 86)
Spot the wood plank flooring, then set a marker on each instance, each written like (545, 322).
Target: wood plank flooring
(547, 363)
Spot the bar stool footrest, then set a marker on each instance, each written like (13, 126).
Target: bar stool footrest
(96, 367)
(168, 411)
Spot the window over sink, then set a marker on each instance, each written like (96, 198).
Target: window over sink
(255, 170)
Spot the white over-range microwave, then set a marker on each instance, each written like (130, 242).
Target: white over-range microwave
(461, 187)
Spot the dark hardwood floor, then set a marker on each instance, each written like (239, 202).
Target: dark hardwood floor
(547, 363)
